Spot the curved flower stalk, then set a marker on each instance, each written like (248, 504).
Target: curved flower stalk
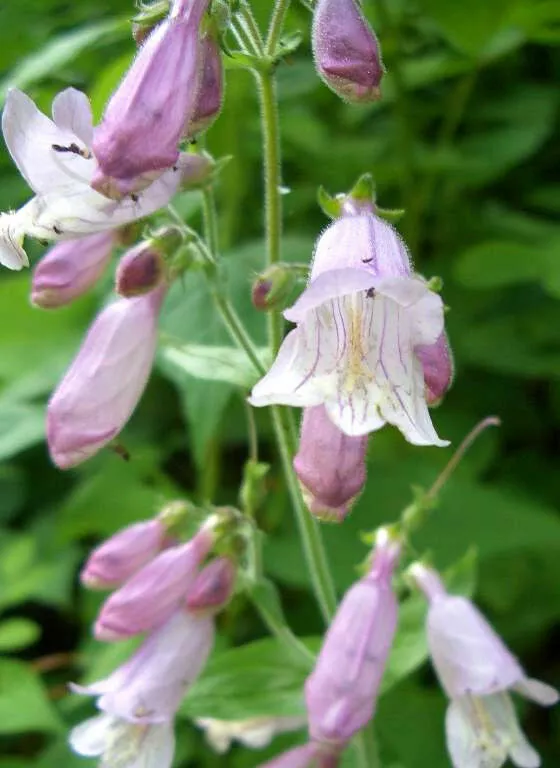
(70, 269)
(359, 323)
(477, 672)
(341, 692)
(55, 158)
(145, 118)
(101, 388)
(330, 465)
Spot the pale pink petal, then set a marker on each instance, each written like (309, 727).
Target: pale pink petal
(537, 691)
(330, 285)
(71, 112)
(464, 744)
(90, 738)
(300, 757)
(12, 229)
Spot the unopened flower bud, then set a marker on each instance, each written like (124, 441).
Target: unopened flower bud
(101, 388)
(118, 558)
(272, 288)
(196, 170)
(209, 97)
(213, 586)
(140, 270)
(330, 465)
(437, 363)
(145, 118)
(155, 592)
(346, 50)
(69, 269)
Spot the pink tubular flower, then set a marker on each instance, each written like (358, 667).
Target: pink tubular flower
(477, 671)
(359, 322)
(149, 687)
(154, 593)
(210, 93)
(212, 587)
(341, 691)
(346, 50)
(329, 464)
(69, 269)
(145, 118)
(310, 755)
(437, 362)
(121, 744)
(54, 157)
(101, 388)
(117, 559)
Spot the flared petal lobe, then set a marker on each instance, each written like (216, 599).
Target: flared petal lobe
(437, 364)
(103, 385)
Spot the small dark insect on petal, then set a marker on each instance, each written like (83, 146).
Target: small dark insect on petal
(73, 149)
(367, 261)
(370, 293)
(57, 230)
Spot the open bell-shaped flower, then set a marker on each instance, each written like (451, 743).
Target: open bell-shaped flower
(359, 323)
(55, 158)
(477, 672)
(101, 388)
(330, 465)
(346, 50)
(145, 118)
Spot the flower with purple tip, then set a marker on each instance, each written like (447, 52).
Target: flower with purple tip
(477, 672)
(330, 465)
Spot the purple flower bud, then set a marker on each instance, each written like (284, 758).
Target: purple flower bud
(149, 687)
(154, 593)
(213, 586)
(101, 388)
(145, 118)
(140, 270)
(309, 755)
(329, 464)
(437, 362)
(273, 287)
(341, 691)
(118, 558)
(69, 269)
(476, 671)
(195, 170)
(346, 50)
(209, 97)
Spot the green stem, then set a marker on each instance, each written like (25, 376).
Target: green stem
(276, 26)
(273, 201)
(237, 330)
(210, 220)
(313, 548)
(245, 12)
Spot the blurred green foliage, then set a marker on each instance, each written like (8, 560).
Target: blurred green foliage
(466, 140)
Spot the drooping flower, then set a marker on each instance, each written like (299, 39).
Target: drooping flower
(149, 687)
(101, 388)
(69, 269)
(359, 322)
(121, 744)
(329, 464)
(123, 554)
(145, 118)
(55, 158)
(154, 593)
(341, 691)
(210, 93)
(477, 672)
(255, 732)
(346, 51)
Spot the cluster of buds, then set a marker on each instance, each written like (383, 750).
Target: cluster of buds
(165, 591)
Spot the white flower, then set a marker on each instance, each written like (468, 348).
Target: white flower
(121, 744)
(255, 732)
(358, 325)
(54, 158)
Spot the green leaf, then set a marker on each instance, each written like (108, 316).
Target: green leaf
(61, 51)
(21, 426)
(16, 634)
(24, 704)
(211, 363)
(258, 679)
